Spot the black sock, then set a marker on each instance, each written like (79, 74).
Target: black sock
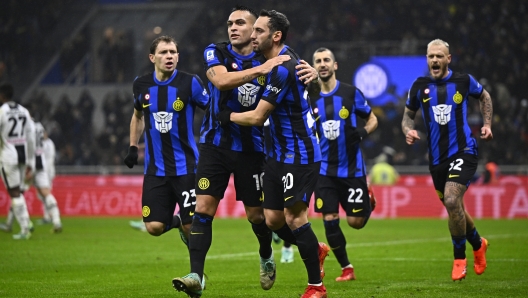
(263, 234)
(337, 241)
(200, 239)
(459, 246)
(286, 244)
(286, 234)
(309, 250)
(176, 223)
(474, 239)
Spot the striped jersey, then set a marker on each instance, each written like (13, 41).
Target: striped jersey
(336, 115)
(168, 108)
(244, 98)
(17, 135)
(40, 157)
(444, 110)
(293, 136)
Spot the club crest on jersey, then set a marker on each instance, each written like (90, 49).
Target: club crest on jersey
(319, 203)
(442, 114)
(344, 113)
(261, 80)
(203, 183)
(457, 98)
(247, 94)
(145, 211)
(178, 105)
(163, 121)
(331, 129)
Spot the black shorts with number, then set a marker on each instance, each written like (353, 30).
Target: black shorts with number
(161, 194)
(215, 167)
(351, 193)
(286, 184)
(460, 168)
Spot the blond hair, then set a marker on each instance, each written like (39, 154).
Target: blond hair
(438, 42)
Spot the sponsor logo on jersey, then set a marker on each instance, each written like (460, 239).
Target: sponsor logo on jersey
(247, 94)
(331, 129)
(163, 121)
(442, 113)
(273, 89)
(426, 99)
(357, 210)
(146, 105)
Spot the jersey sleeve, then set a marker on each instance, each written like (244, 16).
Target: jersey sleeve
(412, 99)
(277, 85)
(475, 88)
(212, 57)
(200, 96)
(362, 108)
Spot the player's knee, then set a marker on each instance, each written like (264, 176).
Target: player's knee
(451, 203)
(155, 228)
(356, 222)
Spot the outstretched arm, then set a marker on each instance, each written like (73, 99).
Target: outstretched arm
(486, 108)
(411, 135)
(225, 80)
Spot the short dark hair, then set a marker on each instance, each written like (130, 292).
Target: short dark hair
(277, 22)
(323, 49)
(164, 38)
(245, 8)
(7, 90)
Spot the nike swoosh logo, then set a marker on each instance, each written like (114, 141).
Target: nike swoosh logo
(194, 233)
(453, 176)
(356, 210)
(191, 213)
(285, 199)
(144, 105)
(426, 99)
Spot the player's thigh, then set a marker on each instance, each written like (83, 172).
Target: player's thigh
(183, 187)
(158, 199)
(299, 183)
(41, 179)
(273, 186)
(355, 196)
(11, 175)
(248, 175)
(326, 195)
(215, 166)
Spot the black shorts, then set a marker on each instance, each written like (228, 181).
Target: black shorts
(215, 167)
(161, 194)
(351, 193)
(286, 184)
(460, 168)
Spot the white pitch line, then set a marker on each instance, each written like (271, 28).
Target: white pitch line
(384, 243)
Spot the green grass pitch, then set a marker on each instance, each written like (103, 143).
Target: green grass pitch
(104, 257)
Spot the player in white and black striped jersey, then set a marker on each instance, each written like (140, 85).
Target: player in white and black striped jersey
(17, 153)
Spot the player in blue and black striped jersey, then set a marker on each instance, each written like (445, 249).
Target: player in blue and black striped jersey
(164, 105)
(292, 164)
(443, 98)
(342, 178)
(236, 80)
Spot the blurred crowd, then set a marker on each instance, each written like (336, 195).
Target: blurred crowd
(487, 40)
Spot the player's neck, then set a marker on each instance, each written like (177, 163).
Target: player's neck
(328, 86)
(245, 50)
(163, 76)
(274, 51)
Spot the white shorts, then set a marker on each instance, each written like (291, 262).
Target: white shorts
(13, 175)
(41, 179)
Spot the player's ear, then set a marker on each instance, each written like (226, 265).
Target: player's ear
(277, 35)
(151, 57)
